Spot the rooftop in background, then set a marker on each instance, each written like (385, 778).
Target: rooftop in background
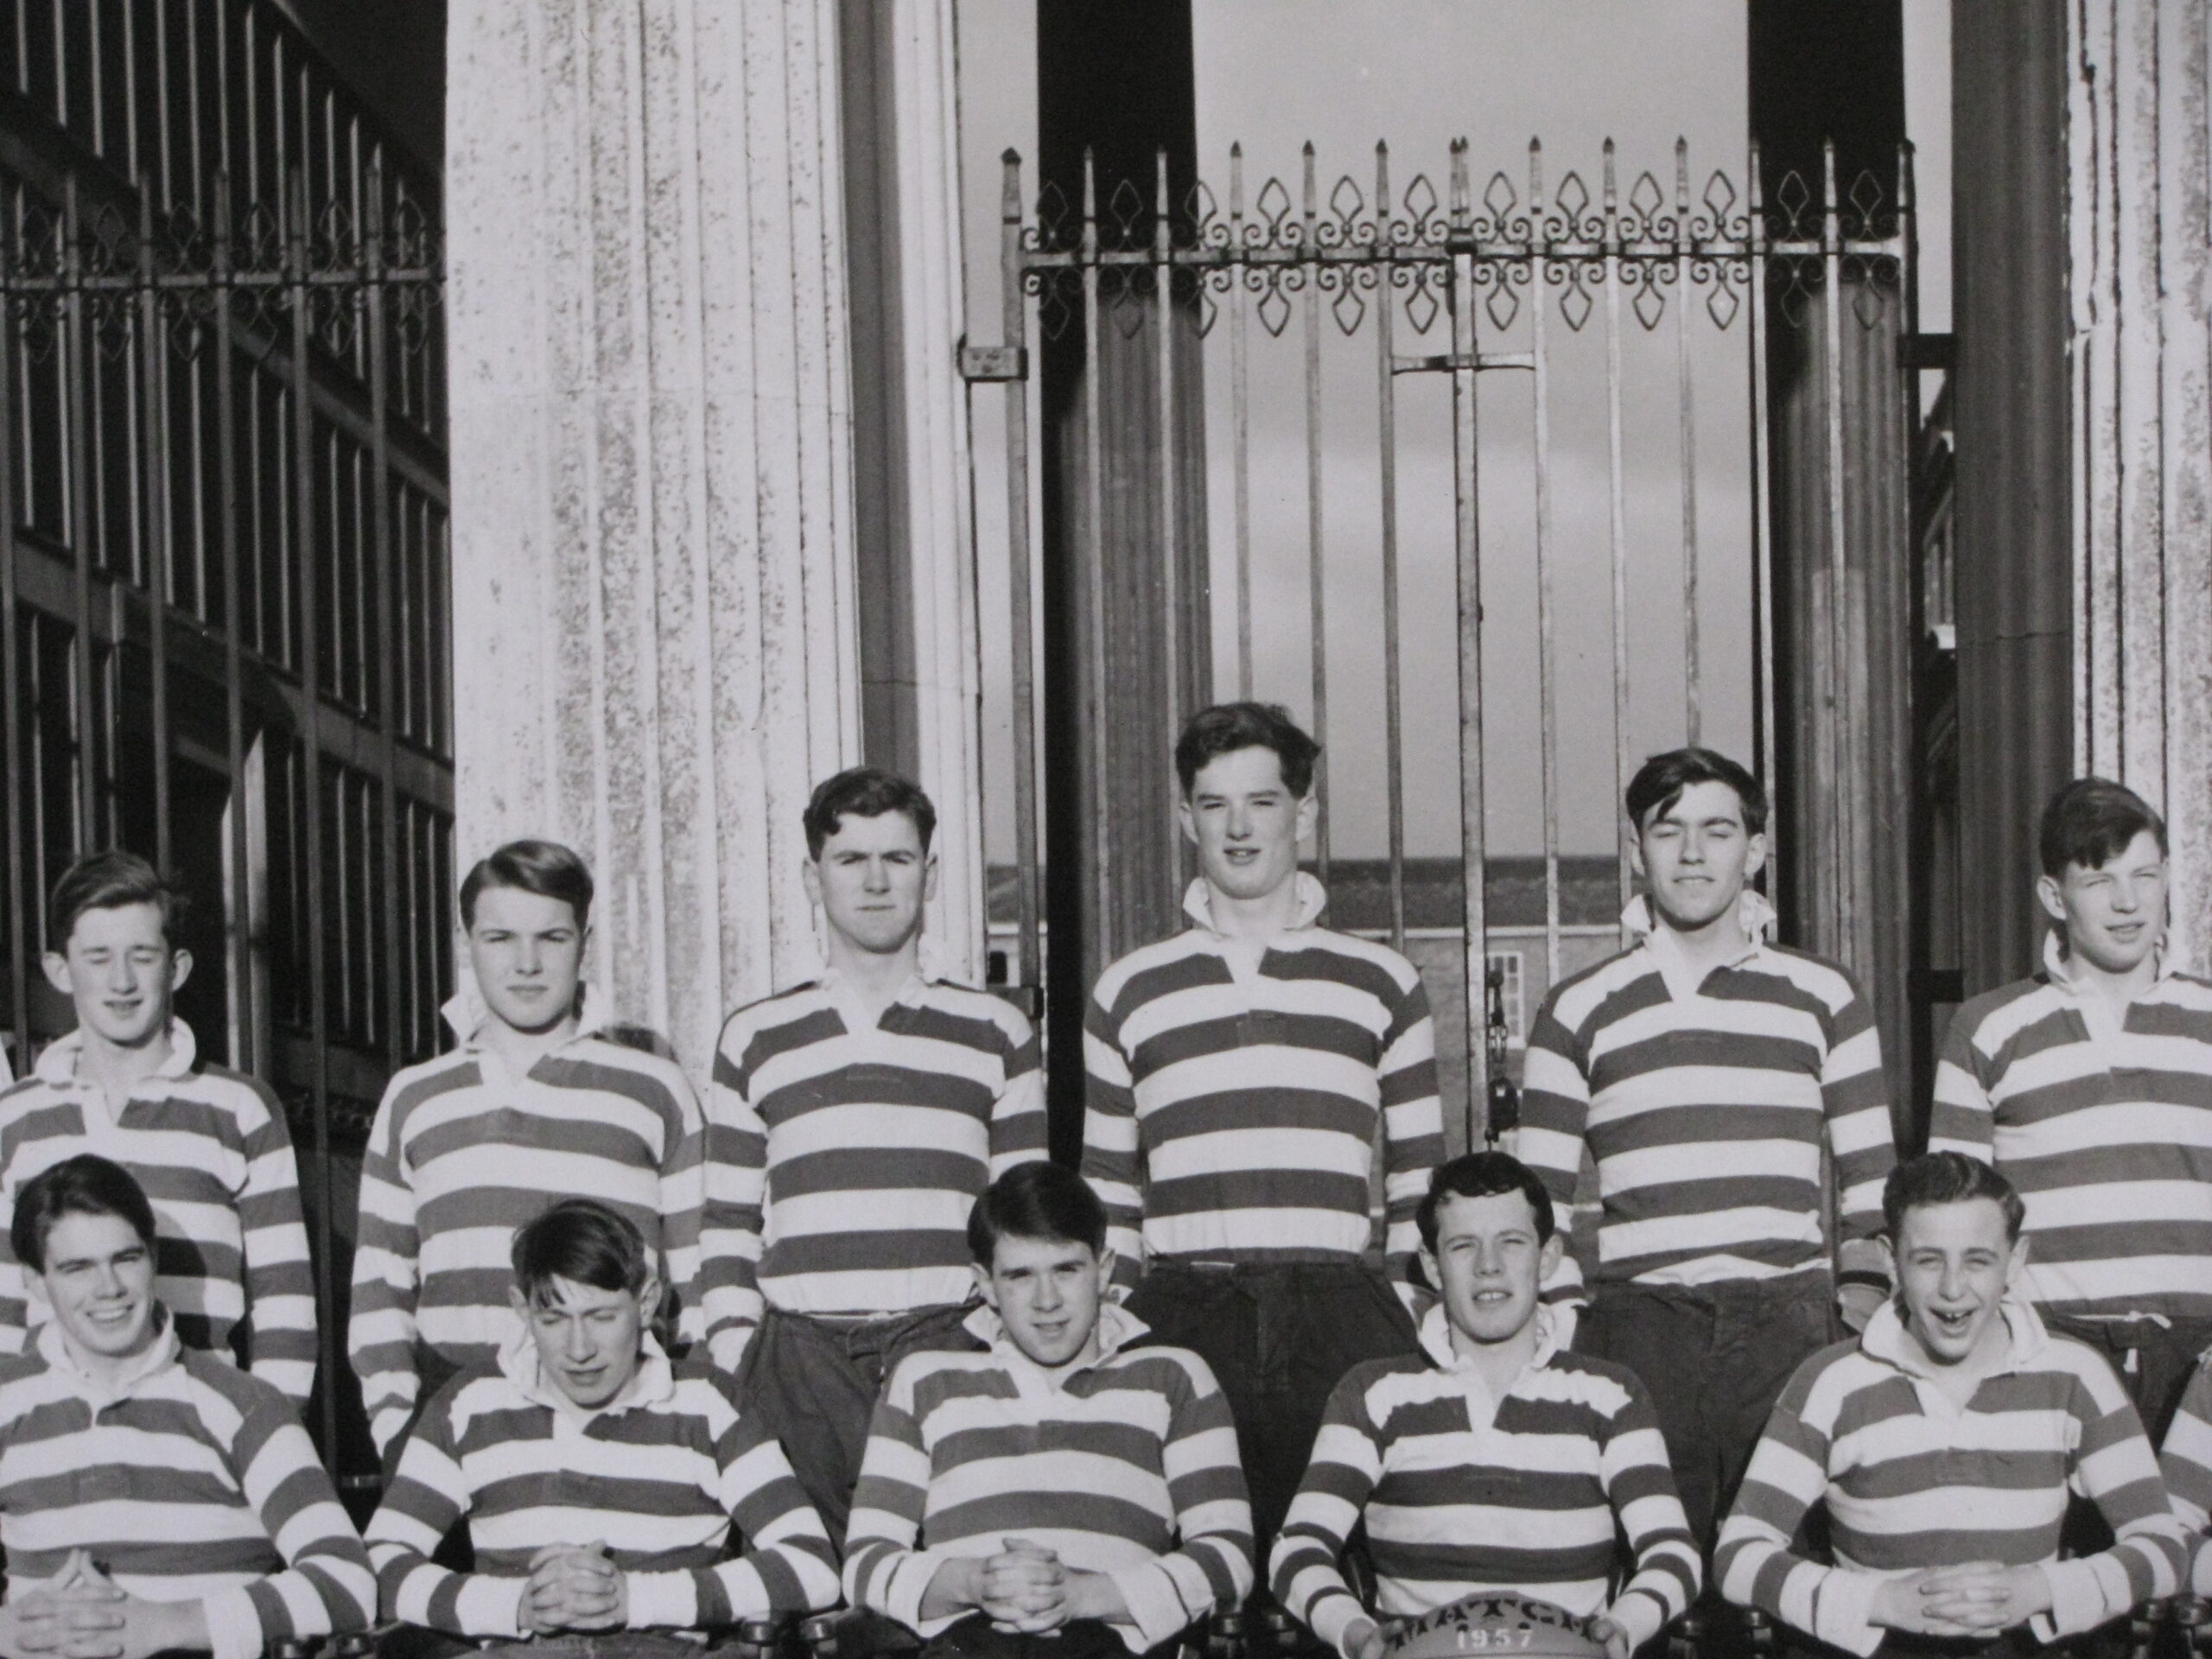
(1359, 892)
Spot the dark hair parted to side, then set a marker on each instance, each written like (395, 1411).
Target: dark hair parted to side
(1660, 781)
(2090, 823)
(866, 792)
(544, 867)
(1228, 727)
(110, 880)
(1946, 1178)
(1040, 1200)
(1481, 1175)
(584, 1242)
(88, 1184)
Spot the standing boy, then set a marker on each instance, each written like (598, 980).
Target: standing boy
(209, 1145)
(2090, 1086)
(1705, 1071)
(532, 1107)
(860, 1114)
(1239, 1074)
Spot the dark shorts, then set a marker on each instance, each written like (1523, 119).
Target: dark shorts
(977, 1637)
(814, 1383)
(1279, 1339)
(1714, 1359)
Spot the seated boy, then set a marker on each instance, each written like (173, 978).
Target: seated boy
(1495, 1461)
(2186, 1460)
(600, 1482)
(1944, 1440)
(152, 1497)
(1062, 1481)
(208, 1146)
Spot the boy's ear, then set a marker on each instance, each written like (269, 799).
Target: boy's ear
(1548, 1258)
(57, 971)
(180, 969)
(519, 1302)
(809, 877)
(984, 1285)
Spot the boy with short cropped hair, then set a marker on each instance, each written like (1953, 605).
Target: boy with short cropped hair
(2090, 1086)
(1946, 1442)
(1557, 1453)
(600, 1482)
(209, 1145)
(859, 1115)
(1063, 1481)
(535, 1105)
(153, 1498)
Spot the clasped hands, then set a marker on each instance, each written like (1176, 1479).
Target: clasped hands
(1980, 1599)
(574, 1587)
(81, 1613)
(1026, 1587)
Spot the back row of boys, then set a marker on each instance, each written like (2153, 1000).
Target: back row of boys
(812, 1217)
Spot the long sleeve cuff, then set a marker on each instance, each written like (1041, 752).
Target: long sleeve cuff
(662, 1600)
(910, 1581)
(1155, 1605)
(2082, 1596)
(726, 1347)
(1639, 1613)
(233, 1627)
(1332, 1615)
(1843, 1604)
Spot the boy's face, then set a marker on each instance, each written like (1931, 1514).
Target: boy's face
(1047, 1292)
(871, 880)
(527, 954)
(1695, 856)
(99, 1280)
(2114, 915)
(1488, 1264)
(1245, 822)
(1952, 1264)
(117, 968)
(589, 1340)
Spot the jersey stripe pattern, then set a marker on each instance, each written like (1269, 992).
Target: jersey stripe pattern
(2108, 1136)
(662, 1481)
(1461, 1493)
(211, 1150)
(463, 1153)
(1231, 1116)
(1912, 1481)
(857, 1151)
(1128, 1467)
(2186, 1458)
(193, 1481)
(1704, 1110)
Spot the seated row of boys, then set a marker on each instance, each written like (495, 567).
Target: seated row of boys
(1064, 1475)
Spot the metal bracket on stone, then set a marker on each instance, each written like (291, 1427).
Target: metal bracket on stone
(994, 362)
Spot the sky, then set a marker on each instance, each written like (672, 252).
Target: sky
(1418, 74)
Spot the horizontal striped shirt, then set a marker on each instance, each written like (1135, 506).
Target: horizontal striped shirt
(663, 1477)
(1913, 1480)
(1126, 1467)
(463, 1152)
(1463, 1493)
(2102, 1118)
(2186, 1460)
(190, 1480)
(213, 1152)
(1232, 1113)
(860, 1145)
(1704, 1104)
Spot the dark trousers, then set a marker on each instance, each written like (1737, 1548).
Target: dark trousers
(1714, 1358)
(814, 1383)
(977, 1637)
(2155, 1360)
(1279, 1339)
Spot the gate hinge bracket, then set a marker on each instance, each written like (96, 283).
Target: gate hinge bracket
(994, 362)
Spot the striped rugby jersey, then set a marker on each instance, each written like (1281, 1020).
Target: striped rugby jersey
(662, 1477)
(1912, 1480)
(213, 1152)
(2103, 1121)
(1231, 1114)
(463, 1153)
(1704, 1104)
(190, 1480)
(1462, 1492)
(1126, 1467)
(860, 1146)
(2186, 1461)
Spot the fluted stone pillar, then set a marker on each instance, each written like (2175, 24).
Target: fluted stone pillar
(654, 649)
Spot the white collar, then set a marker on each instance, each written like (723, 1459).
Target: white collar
(653, 1384)
(466, 1013)
(1312, 900)
(1753, 914)
(1435, 1335)
(2059, 965)
(57, 1064)
(1117, 1329)
(159, 1354)
(1885, 1338)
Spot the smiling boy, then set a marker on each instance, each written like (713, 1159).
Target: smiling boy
(1063, 1481)
(1945, 1442)
(602, 1484)
(209, 1145)
(1497, 1461)
(2090, 1086)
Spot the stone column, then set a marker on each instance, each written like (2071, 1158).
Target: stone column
(2139, 255)
(654, 651)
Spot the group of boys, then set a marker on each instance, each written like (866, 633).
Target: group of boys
(672, 1362)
